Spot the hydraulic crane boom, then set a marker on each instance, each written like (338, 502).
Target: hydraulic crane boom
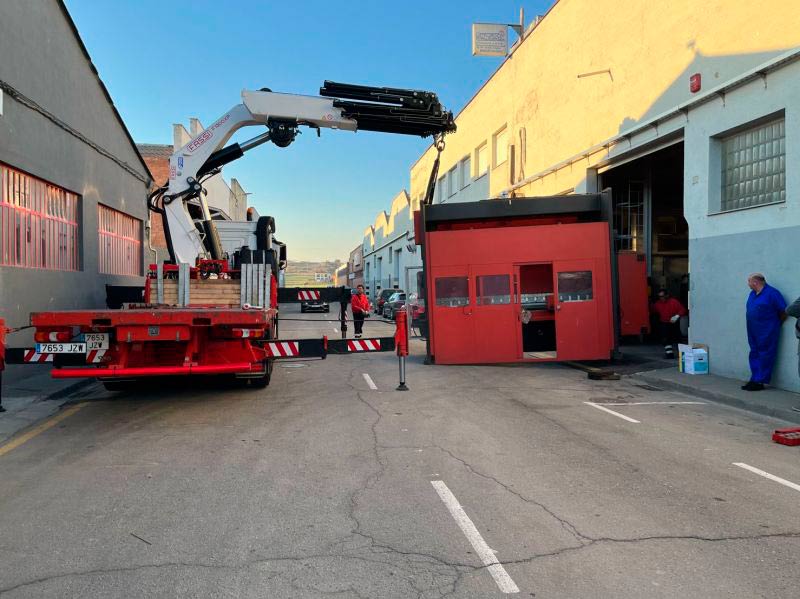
(339, 106)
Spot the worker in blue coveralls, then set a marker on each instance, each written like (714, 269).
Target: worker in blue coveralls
(766, 311)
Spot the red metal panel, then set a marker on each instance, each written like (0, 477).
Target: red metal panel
(451, 303)
(76, 373)
(578, 327)
(495, 316)
(454, 341)
(169, 332)
(160, 316)
(633, 301)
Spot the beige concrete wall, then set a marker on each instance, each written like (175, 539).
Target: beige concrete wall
(650, 48)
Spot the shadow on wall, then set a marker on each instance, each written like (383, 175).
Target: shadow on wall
(713, 70)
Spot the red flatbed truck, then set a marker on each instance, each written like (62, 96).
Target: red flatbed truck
(212, 308)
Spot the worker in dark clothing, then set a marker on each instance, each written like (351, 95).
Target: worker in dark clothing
(360, 307)
(766, 311)
(794, 310)
(669, 311)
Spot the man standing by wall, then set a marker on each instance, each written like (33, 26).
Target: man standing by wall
(669, 311)
(765, 314)
(360, 306)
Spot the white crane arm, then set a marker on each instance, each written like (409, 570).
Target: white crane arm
(389, 110)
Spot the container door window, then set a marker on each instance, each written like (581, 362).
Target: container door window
(451, 316)
(495, 322)
(577, 326)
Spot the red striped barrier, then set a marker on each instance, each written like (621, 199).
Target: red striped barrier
(282, 349)
(95, 356)
(355, 345)
(308, 294)
(32, 356)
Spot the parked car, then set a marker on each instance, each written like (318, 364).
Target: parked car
(383, 296)
(314, 306)
(393, 304)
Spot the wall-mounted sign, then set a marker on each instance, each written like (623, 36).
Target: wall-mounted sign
(489, 39)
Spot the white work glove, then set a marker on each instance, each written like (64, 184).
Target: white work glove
(675, 318)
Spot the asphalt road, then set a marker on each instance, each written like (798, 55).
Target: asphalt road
(478, 481)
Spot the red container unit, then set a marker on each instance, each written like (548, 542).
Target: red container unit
(529, 279)
(634, 304)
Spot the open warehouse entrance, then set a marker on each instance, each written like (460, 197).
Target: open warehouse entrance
(652, 235)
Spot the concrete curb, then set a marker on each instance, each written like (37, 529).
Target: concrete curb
(784, 413)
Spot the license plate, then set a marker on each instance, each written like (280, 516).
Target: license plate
(96, 341)
(60, 348)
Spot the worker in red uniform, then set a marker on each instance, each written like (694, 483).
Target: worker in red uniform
(360, 307)
(669, 311)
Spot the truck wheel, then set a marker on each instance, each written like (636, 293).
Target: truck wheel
(124, 385)
(263, 381)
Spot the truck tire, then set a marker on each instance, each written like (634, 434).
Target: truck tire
(123, 385)
(262, 382)
(263, 226)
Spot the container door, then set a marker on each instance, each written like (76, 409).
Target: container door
(577, 327)
(496, 314)
(451, 305)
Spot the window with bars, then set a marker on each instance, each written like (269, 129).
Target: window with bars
(39, 223)
(120, 242)
(754, 166)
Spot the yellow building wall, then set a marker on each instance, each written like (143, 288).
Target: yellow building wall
(651, 48)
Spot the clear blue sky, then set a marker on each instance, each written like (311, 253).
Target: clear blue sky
(165, 61)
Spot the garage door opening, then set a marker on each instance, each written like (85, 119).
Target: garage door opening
(651, 235)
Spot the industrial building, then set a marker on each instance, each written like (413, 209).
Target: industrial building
(355, 267)
(391, 258)
(72, 185)
(693, 122)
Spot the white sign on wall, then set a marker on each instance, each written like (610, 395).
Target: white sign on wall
(489, 39)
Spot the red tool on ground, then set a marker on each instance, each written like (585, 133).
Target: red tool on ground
(787, 436)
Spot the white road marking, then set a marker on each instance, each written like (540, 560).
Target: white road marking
(654, 403)
(777, 479)
(487, 556)
(335, 330)
(370, 382)
(617, 414)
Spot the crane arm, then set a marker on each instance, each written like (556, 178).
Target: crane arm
(339, 106)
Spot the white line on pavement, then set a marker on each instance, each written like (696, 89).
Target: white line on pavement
(654, 403)
(777, 479)
(617, 414)
(335, 330)
(370, 382)
(487, 556)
